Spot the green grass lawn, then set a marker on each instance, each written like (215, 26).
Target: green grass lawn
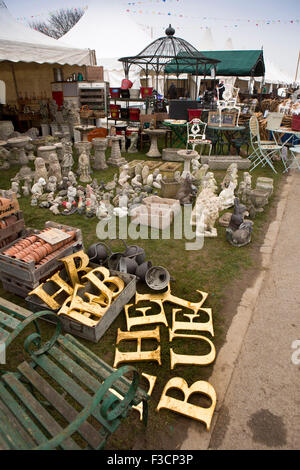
(214, 269)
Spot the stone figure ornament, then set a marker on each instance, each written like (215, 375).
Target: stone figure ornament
(83, 167)
(52, 184)
(226, 196)
(133, 137)
(40, 169)
(238, 233)
(124, 176)
(67, 163)
(54, 167)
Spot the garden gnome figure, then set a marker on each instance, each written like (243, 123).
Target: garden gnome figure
(40, 170)
(83, 163)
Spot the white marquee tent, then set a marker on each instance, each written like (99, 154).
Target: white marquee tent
(113, 34)
(19, 43)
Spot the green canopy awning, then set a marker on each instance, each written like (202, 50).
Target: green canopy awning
(232, 63)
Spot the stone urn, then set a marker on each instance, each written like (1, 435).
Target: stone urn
(259, 198)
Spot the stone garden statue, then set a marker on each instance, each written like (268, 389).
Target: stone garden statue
(54, 167)
(40, 169)
(133, 142)
(67, 163)
(52, 184)
(83, 167)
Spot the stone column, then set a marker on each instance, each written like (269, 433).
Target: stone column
(116, 158)
(100, 146)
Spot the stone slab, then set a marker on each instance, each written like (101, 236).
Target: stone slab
(221, 162)
(171, 155)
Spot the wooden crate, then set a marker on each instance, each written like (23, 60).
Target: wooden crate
(94, 73)
(16, 229)
(92, 333)
(28, 273)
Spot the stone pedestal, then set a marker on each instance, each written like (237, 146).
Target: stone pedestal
(45, 151)
(187, 156)
(20, 143)
(100, 146)
(154, 134)
(116, 158)
(45, 130)
(59, 150)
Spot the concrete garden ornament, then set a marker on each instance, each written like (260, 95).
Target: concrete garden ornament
(83, 167)
(239, 231)
(37, 191)
(40, 170)
(54, 167)
(67, 163)
(226, 197)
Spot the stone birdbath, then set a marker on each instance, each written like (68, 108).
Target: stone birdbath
(84, 130)
(100, 145)
(44, 152)
(187, 156)
(20, 143)
(154, 134)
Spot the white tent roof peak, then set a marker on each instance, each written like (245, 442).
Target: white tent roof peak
(19, 42)
(207, 42)
(109, 30)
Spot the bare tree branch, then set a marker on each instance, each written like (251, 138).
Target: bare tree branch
(59, 23)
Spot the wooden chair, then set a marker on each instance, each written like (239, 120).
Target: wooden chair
(145, 119)
(65, 397)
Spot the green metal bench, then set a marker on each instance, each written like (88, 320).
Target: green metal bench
(64, 397)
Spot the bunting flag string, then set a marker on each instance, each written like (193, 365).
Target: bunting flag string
(46, 14)
(235, 21)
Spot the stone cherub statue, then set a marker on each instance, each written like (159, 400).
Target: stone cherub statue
(67, 163)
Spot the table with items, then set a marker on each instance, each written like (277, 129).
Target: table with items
(179, 131)
(216, 133)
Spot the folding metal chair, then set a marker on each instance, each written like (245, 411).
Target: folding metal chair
(295, 158)
(262, 151)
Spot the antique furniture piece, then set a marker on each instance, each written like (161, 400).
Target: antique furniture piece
(262, 152)
(196, 135)
(64, 397)
(178, 129)
(228, 101)
(223, 135)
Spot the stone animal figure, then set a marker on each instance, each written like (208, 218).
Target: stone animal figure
(239, 231)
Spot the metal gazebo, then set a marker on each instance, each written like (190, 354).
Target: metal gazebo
(168, 50)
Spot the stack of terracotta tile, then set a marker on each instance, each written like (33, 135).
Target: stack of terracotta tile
(33, 248)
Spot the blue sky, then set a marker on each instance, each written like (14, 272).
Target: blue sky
(250, 24)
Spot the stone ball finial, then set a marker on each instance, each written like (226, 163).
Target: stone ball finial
(170, 31)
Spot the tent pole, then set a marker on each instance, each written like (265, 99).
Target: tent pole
(15, 81)
(297, 68)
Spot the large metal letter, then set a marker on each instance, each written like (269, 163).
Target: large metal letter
(185, 408)
(138, 355)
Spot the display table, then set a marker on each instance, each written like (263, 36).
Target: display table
(154, 134)
(179, 132)
(228, 132)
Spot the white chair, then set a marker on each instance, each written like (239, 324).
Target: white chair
(196, 134)
(262, 150)
(295, 158)
(228, 101)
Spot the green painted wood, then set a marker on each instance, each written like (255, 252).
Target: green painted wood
(73, 389)
(10, 432)
(8, 320)
(69, 364)
(22, 416)
(13, 309)
(86, 430)
(43, 417)
(93, 363)
(4, 334)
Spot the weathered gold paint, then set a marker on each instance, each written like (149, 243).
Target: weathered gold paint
(107, 294)
(137, 355)
(72, 270)
(168, 297)
(199, 360)
(182, 406)
(191, 324)
(49, 299)
(145, 319)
